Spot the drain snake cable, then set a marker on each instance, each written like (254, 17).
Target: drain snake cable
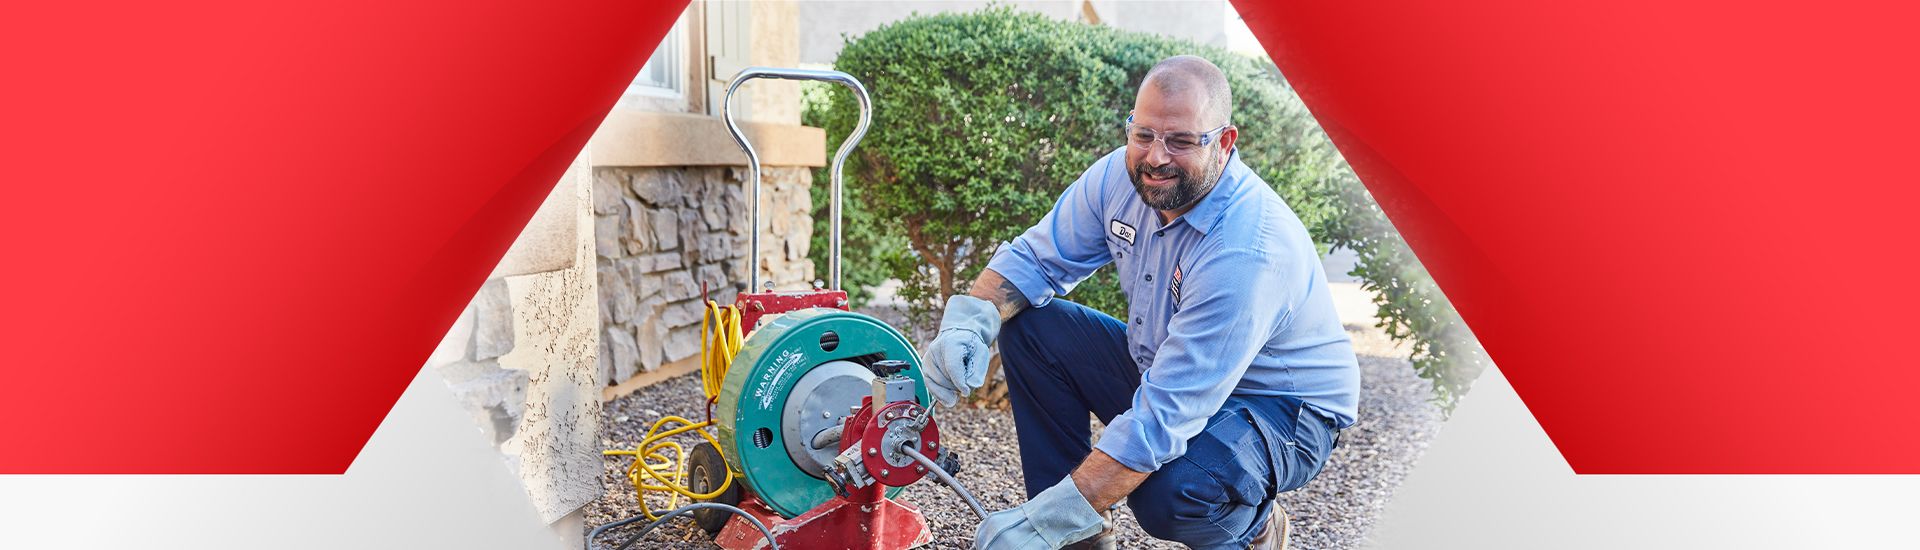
(677, 512)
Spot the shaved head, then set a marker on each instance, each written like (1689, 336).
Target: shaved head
(1193, 76)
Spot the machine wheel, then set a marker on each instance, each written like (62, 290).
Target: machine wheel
(706, 469)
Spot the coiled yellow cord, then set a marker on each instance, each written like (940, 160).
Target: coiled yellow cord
(660, 464)
(719, 342)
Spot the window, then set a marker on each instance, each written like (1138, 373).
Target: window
(662, 83)
(665, 73)
(689, 71)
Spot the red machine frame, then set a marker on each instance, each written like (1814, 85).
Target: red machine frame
(860, 518)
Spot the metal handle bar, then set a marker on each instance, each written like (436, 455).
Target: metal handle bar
(839, 158)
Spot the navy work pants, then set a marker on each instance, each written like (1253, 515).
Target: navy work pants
(1065, 360)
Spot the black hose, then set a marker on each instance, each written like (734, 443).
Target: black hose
(677, 512)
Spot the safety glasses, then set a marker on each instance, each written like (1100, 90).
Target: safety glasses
(1177, 143)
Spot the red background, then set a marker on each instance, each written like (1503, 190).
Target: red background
(1683, 230)
(235, 230)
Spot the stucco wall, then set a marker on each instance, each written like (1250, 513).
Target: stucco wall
(522, 357)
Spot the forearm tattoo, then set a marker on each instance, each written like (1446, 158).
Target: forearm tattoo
(1006, 297)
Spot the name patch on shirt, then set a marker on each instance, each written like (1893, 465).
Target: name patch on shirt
(1121, 230)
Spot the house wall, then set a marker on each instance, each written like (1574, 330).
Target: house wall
(776, 39)
(604, 282)
(671, 201)
(522, 357)
(662, 232)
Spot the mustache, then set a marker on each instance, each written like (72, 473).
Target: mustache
(1162, 171)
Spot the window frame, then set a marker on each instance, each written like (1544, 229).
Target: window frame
(691, 94)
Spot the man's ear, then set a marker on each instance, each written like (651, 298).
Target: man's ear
(1228, 138)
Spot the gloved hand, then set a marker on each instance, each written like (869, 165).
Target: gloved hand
(1054, 518)
(957, 360)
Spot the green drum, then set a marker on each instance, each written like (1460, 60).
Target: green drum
(798, 376)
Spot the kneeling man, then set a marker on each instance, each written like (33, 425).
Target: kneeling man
(1228, 379)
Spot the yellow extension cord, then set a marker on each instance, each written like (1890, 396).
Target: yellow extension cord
(654, 469)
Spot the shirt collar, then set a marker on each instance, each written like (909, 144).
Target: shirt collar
(1207, 212)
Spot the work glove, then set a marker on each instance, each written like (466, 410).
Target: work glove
(1054, 518)
(957, 360)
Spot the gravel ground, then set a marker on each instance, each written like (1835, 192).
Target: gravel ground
(1333, 511)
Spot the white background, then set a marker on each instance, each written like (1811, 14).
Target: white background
(427, 479)
(1492, 479)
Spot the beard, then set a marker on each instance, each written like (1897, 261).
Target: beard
(1186, 189)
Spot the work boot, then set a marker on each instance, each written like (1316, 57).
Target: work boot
(1106, 539)
(1274, 535)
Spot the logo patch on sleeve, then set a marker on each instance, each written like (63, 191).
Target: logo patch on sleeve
(1121, 230)
(1174, 287)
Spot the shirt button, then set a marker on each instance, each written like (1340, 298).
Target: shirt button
(1160, 233)
(1119, 255)
(1149, 277)
(1136, 320)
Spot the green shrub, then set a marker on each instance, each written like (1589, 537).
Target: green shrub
(981, 119)
(871, 255)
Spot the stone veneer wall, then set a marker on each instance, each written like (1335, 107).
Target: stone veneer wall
(660, 232)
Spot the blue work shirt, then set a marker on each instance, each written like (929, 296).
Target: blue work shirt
(1227, 299)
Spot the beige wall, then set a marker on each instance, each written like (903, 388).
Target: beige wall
(522, 358)
(776, 43)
